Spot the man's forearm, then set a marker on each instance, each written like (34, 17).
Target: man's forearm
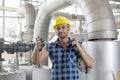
(35, 58)
(86, 58)
(39, 56)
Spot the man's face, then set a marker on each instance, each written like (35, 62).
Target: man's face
(62, 31)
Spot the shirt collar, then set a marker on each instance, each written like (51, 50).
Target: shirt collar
(58, 43)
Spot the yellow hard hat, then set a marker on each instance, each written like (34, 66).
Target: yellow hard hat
(61, 20)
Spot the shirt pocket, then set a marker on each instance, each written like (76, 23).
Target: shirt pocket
(72, 58)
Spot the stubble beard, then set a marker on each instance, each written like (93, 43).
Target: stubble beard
(63, 36)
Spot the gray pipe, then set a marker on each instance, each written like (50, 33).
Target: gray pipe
(99, 18)
(28, 11)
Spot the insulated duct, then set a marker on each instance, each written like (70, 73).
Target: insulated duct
(98, 15)
(99, 18)
(28, 11)
(44, 15)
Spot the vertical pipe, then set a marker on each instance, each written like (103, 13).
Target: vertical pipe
(28, 11)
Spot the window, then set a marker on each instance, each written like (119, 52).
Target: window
(12, 3)
(1, 27)
(0, 2)
(11, 14)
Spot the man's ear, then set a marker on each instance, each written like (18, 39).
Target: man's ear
(56, 31)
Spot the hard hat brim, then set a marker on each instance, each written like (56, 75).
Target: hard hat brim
(55, 26)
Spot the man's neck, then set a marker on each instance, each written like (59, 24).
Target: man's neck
(64, 42)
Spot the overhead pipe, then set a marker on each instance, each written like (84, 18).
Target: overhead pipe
(27, 10)
(99, 18)
(98, 15)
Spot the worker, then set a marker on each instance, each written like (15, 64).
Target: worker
(64, 53)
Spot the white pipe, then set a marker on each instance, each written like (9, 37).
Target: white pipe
(28, 11)
(43, 18)
(99, 18)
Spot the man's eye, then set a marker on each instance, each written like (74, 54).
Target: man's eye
(63, 27)
(58, 28)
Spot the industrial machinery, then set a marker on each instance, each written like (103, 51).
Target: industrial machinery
(9, 73)
(14, 47)
(20, 72)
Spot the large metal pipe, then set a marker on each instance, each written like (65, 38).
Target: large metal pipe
(98, 14)
(106, 55)
(99, 18)
(27, 10)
